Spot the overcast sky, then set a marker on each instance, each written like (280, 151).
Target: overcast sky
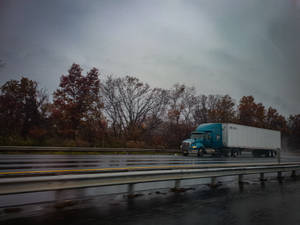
(235, 47)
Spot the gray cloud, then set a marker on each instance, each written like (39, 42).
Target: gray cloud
(220, 47)
(2, 64)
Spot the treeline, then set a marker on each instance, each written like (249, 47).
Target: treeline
(122, 112)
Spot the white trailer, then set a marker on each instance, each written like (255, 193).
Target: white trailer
(255, 139)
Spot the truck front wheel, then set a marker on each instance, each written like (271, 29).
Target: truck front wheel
(200, 152)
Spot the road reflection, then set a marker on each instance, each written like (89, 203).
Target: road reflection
(271, 204)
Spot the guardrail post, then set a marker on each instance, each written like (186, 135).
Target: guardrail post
(177, 184)
(241, 178)
(279, 175)
(262, 177)
(293, 173)
(130, 189)
(213, 182)
(241, 183)
(278, 155)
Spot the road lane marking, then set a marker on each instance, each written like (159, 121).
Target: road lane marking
(142, 167)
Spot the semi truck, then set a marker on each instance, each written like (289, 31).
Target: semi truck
(228, 139)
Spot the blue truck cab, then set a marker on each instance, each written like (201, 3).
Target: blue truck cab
(207, 138)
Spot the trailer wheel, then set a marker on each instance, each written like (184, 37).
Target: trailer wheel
(269, 153)
(266, 154)
(233, 153)
(273, 153)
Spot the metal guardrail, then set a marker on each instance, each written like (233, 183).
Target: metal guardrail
(61, 182)
(83, 149)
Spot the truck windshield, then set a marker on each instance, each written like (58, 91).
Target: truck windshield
(197, 136)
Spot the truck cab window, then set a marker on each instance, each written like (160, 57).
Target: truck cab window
(197, 136)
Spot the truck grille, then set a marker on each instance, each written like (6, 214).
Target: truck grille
(185, 146)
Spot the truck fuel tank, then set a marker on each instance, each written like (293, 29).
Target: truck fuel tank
(210, 150)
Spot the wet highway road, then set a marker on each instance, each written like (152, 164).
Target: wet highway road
(273, 203)
(21, 165)
(228, 204)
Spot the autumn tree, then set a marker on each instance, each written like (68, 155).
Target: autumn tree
(220, 109)
(77, 104)
(259, 115)
(21, 108)
(246, 110)
(275, 121)
(294, 128)
(251, 113)
(226, 109)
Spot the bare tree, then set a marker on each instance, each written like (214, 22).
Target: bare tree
(200, 113)
(157, 113)
(214, 109)
(176, 104)
(189, 101)
(111, 104)
(129, 104)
